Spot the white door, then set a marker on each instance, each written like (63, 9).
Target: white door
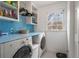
(78, 34)
(78, 25)
(77, 29)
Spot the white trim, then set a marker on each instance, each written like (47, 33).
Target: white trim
(7, 18)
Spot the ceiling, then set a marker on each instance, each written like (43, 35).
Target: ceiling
(40, 4)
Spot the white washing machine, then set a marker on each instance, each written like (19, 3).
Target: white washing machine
(35, 48)
(42, 44)
(20, 48)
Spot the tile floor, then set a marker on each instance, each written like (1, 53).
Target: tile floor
(48, 54)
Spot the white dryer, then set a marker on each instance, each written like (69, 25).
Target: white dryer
(42, 44)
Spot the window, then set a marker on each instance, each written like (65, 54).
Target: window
(55, 20)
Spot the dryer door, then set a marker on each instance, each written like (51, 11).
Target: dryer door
(24, 52)
(43, 43)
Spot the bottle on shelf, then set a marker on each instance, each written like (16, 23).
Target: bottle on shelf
(1, 12)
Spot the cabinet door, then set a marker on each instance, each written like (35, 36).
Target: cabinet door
(1, 51)
(10, 48)
(35, 53)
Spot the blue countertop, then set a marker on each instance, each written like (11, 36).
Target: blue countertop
(11, 37)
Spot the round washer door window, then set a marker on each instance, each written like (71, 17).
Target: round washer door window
(43, 43)
(23, 52)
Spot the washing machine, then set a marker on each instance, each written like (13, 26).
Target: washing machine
(26, 50)
(20, 48)
(42, 44)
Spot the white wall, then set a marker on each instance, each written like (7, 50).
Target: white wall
(77, 29)
(56, 41)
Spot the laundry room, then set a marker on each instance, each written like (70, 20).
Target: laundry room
(39, 29)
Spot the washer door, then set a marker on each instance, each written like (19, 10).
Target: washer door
(23, 52)
(43, 43)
